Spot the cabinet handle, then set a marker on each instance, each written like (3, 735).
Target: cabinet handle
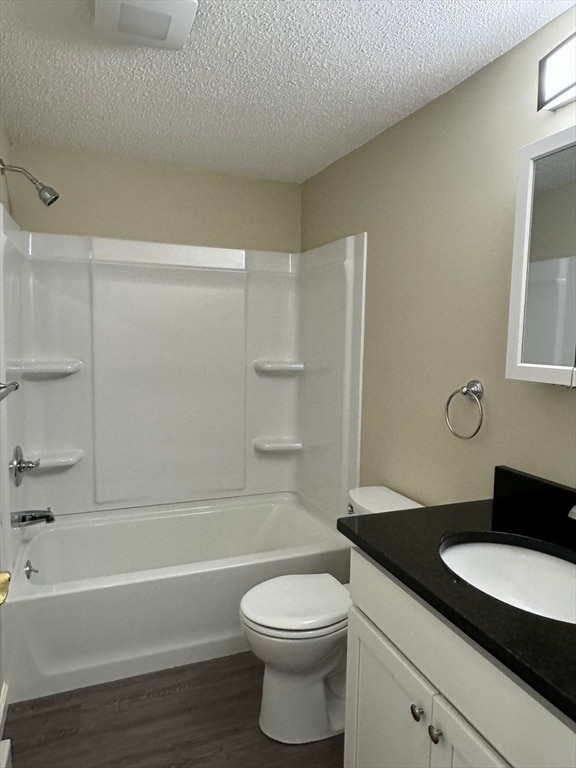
(416, 712)
(434, 734)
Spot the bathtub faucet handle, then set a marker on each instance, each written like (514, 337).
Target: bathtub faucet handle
(29, 569)
(19, 465)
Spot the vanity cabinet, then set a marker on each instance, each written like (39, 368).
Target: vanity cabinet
(397, 718)
(406, 662)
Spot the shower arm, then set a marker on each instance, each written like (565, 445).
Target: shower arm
(18, 169)
(48, 195)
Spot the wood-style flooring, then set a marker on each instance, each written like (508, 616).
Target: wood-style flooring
(200, 716)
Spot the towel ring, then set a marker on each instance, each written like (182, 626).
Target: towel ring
(474, 390)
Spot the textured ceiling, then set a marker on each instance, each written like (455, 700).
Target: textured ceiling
(273, 89)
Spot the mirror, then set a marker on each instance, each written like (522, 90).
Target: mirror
(542, 323)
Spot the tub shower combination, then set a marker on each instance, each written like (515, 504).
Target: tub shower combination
(123, 593)
(195, 413)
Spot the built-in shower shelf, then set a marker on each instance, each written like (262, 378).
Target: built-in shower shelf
(278, 366)
(54, 460)
(38, 370)
(277, 444)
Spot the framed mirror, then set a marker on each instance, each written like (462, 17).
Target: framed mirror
(542, 320)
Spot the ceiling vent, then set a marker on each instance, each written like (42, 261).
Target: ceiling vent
(156, 23)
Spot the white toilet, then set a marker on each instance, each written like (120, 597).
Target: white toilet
(297, 626)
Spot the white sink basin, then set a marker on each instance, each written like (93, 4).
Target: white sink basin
(525, 578)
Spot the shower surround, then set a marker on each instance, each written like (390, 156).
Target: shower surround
(162, 378)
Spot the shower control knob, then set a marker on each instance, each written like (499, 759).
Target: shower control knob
(416, 712)
(19, 465)
(27, 466)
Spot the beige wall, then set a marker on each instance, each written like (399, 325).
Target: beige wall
(436, 194)
(140, 200)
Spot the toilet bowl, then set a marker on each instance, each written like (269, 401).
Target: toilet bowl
(297, 625)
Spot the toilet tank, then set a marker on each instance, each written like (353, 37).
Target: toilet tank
(377, 498)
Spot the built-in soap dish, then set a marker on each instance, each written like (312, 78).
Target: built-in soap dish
(278, 367)
(38, 370)
(277, 444)
(55, 460)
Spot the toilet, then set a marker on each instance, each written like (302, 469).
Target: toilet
(297, 625)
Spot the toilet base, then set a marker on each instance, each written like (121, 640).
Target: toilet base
(298, 709)
(303, 693)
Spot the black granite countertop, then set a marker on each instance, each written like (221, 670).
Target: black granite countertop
(539, 650)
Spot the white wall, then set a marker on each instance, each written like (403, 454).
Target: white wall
(331, 283)
(164, 403)
(5, 448)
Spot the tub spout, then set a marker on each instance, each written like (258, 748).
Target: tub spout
(5, 389)
(31, 517)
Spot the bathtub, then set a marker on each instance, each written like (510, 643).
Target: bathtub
(123, 593)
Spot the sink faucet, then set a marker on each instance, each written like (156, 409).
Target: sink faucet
(31, 517)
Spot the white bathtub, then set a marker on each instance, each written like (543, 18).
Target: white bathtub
(127, 592)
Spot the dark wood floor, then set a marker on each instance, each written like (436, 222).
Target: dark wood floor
(200, 716)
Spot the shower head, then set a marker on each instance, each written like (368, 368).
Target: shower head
(46, 194)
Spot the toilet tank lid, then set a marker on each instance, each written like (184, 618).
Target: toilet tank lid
(299, 601)
(378, 498)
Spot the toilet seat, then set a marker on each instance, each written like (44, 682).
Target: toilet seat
(296, 604)
(296, 634)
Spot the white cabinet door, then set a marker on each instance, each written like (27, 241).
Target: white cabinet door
(384, 696)
(459, 746)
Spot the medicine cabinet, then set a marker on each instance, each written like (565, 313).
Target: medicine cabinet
(542, 320)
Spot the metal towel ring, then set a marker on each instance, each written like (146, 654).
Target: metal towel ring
(474, 390)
